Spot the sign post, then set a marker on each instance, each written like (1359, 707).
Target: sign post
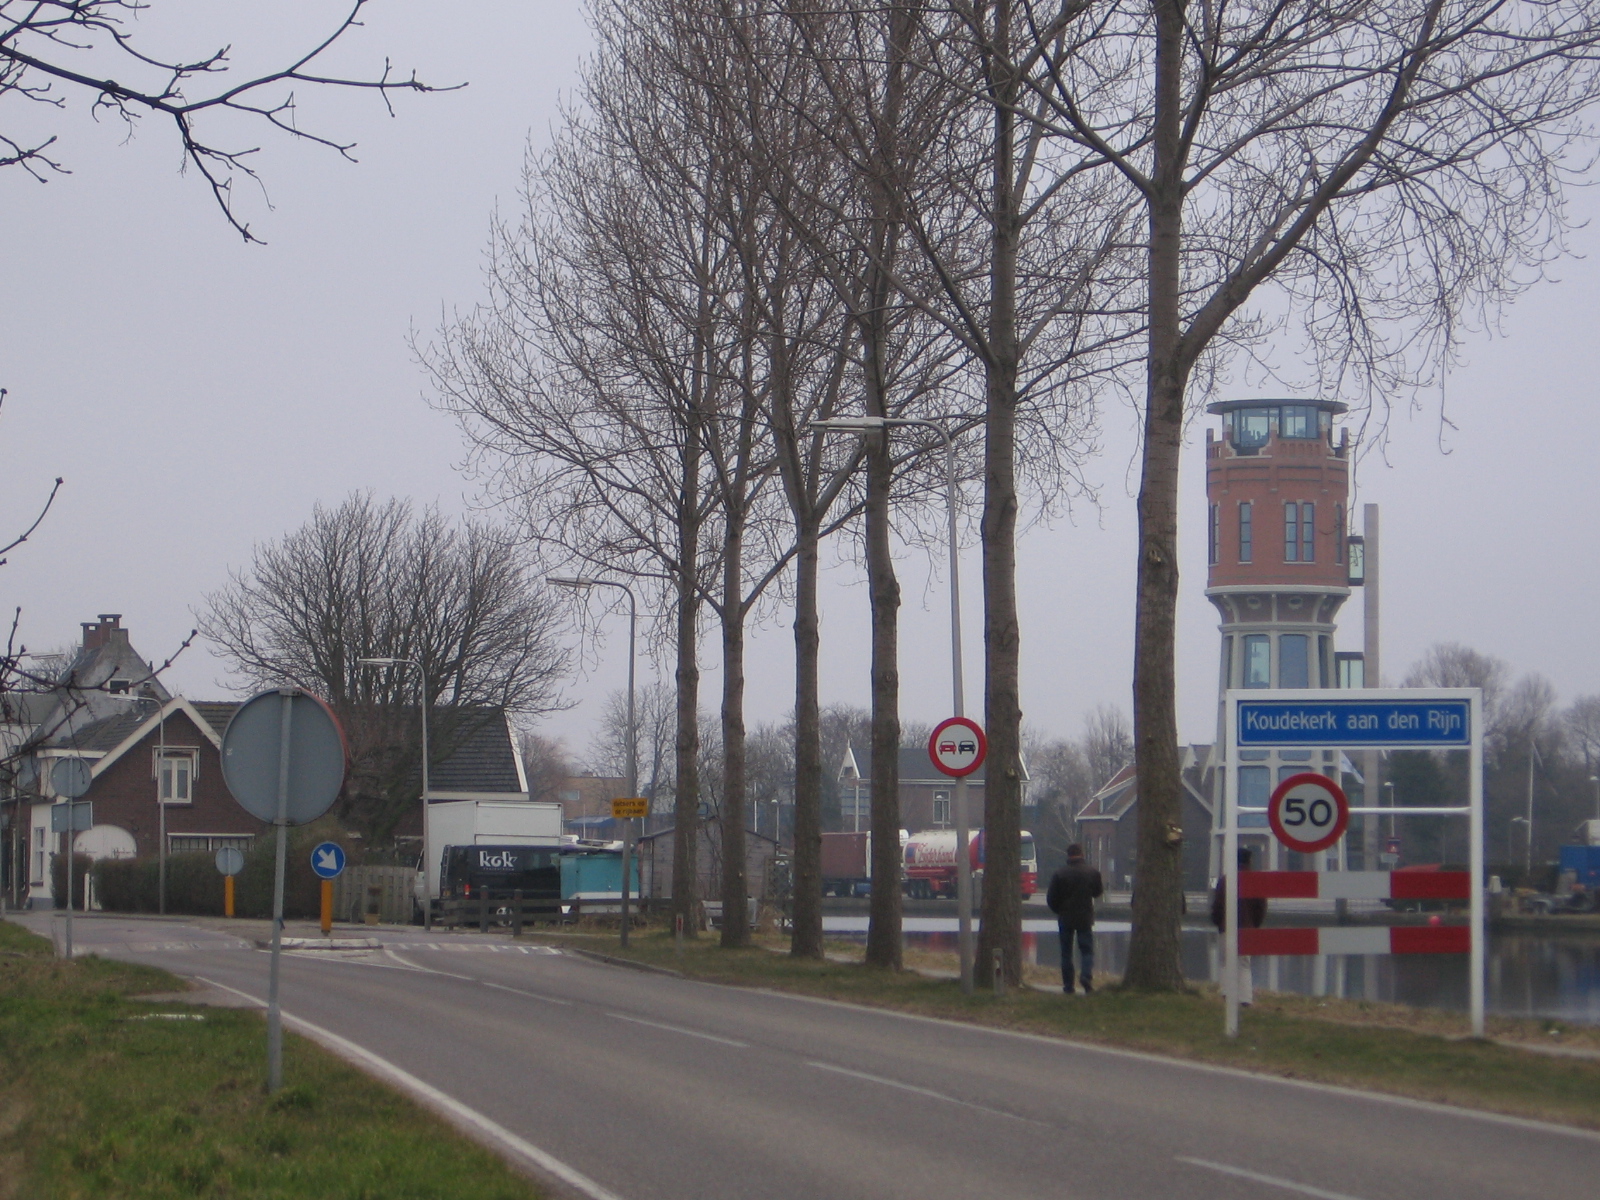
(627, 810)
(284, 759)
(958, 748)
(230, 861)
(1309, 812)
(70, 777)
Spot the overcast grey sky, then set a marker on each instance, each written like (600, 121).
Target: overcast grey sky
(200, 395)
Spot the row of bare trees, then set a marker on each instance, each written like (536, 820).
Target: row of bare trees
(761, 214)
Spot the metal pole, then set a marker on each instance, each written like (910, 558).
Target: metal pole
(1479, 915)
(958, 699)
(161, 809)
(67, 937)
(274, 1015)
(427, 894)
(1230, 869)
(633, 760)
(1527, 854)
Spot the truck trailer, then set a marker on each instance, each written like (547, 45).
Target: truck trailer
(485, 824)
(931, 863)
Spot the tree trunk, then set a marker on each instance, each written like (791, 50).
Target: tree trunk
(735, 922)
(806, 939)
(883, 928)
(1001, 930)
(686, 797)
(1158, 879)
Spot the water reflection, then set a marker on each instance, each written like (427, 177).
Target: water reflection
(1529, 975)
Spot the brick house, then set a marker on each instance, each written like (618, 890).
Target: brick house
(925, 794)
(1108, 822)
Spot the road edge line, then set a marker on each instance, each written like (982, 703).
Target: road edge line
(1353, 1093)
(468, 1120)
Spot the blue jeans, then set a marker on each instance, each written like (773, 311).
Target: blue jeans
(1085, 936)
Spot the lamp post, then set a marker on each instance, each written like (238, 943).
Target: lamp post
(584, 583)
(422, 675)
(871, 424)
(1509, 824)
(1595, 779)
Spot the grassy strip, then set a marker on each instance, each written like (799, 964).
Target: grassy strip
(101, 1097)
(1379, 1047)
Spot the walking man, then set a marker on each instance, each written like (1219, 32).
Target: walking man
(1071, 897)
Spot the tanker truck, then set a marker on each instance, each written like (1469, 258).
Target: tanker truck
(931, 863)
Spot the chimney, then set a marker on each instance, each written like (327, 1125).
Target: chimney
(107, 629)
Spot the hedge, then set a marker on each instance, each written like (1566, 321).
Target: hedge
(195, 888)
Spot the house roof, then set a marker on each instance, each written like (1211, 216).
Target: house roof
(485, 759)
(1120, 793)
(217, 713)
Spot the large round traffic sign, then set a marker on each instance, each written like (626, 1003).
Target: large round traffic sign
(1308, 812)
(70, 777)
(958, 746)
(253, 758)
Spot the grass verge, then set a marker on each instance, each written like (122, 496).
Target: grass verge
(1379, 1047)
(100, 1095)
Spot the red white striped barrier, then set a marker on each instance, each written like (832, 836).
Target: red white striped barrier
(1343, 939)
(1356, 885)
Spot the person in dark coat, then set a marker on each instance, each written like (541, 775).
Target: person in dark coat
(1071, 897)
(1252, 912)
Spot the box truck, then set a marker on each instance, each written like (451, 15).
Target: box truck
(488, 825)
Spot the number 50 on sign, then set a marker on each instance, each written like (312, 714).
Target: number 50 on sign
(1308, 812)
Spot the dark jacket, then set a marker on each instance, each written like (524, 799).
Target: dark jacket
(1252, 909)
(1072, 892)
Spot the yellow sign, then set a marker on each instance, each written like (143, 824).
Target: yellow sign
(635, 807)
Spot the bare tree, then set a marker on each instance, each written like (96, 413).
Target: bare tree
(1583, 727)
(51, 50)
(547, 765)
(370, 579)
(1368, 177)
(655, 714)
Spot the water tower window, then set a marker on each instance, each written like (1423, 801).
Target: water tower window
(1246, 547)
(1294, 661)
(1298, 421)
(1214, 537)
(1252, 427)
(1257, 661)
(1291, 531)
(1308, 532)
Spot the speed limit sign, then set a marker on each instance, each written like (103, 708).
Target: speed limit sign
(1308, 812)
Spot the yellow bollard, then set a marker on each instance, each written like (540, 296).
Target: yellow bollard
(227, 895)
(327, 907)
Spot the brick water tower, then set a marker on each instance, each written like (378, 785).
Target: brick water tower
(1278, 483)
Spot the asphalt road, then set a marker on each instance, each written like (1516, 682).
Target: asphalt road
(656, 1088)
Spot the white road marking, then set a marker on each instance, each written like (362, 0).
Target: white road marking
(500, 987)
(1305, 1189)
(921, 1091)
(442, 1103)
(710, 1037)
(481, 947)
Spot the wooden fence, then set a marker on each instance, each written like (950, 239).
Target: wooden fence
(377, 895)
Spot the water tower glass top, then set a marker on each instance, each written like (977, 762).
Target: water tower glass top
(1248, 425)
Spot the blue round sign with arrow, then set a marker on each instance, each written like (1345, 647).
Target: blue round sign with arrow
(327, 860)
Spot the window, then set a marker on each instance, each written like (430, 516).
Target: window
(176, 775)
(1308, 532)
(1294, 660)
(1252, 427)
(206, 842)
(1352, 668)
(1227, 662)
(1214, 538)
(1338, 534)
(1291, 532)
(941, 808)
(1255, 789)
(1298, 421)
(1324, 661)
(1257, 661)
(1245, 541)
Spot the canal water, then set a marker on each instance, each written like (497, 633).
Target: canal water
(1530, 975)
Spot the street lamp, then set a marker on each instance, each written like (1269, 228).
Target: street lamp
(1595, 779)
(427, 898)
(871, 424)
(584, 583)
(1527, 867)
